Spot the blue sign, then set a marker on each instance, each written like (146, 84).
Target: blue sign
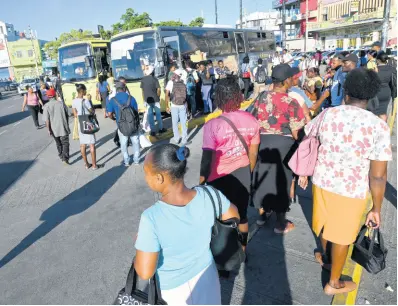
(49, 64)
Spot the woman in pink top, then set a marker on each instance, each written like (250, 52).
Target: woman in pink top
(33, 100)
(227, 162)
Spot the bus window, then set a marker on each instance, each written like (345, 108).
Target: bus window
(254, 43)
(240, 42)
(219, 43)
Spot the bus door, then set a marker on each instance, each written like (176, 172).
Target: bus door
(240, 42)
(173, 49)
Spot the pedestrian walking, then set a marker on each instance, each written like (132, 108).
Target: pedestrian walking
(151, 96)
(280, 118)
(388, 88)
(276, 59)
(124, 109)
(176, 97)
(55, 114)
(230, 147)
(260, 76)
(206, 89)
(353, 155)
(33, 101)
(192, 82)
(246, 75)
(174, 234)
(287, 58)
(102, 92)
(79, 105)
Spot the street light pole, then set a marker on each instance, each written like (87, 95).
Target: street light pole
(386, 22)
(215, 3)
(34, 50)
(283, 38)
(241, 14)
(306, 26)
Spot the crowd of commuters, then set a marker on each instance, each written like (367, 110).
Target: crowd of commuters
(244, 157)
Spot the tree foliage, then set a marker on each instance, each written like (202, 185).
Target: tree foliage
(197, 22)
(131, 20)
(170, 23)
(51, 48)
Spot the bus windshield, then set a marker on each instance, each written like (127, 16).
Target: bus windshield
(130, 55)
(72, 63)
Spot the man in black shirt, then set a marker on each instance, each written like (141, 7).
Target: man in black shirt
(151, 96)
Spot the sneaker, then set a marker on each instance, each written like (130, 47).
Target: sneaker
(263, 218)
(66, 162)
(162, 131)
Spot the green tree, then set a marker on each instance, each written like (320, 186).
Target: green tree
(170, 23)
(131, 20)
(51, 48)
(197, 22)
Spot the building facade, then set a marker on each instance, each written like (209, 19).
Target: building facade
(351, 24)
(7, 34)
(295, 22)
(262, 21)
(24, 55)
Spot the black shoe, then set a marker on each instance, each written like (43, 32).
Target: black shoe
(117, 143)
(162, 131)
(153, 134)
(223, 274)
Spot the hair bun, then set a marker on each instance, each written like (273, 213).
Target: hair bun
(182, 153)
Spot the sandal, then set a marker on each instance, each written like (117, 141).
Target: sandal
(348, 286)
(321, 258)
(288, 228)
(98, 167)
(88, 166)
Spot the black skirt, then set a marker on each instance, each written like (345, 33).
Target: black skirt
(272, 177)
(236, 187)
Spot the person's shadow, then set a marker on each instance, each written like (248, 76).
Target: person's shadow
(75, 203)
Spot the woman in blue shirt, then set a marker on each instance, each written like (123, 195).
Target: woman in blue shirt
(102, 92)
(174, 234)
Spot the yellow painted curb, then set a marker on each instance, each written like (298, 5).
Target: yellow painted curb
(196, 122)
(352, 269)
(391, 117)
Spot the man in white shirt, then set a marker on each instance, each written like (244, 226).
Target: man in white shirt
(276, 59)
(287, 58)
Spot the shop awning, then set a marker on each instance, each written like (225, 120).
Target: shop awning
(392, 42)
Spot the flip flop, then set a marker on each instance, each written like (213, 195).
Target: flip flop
(348, 287)
(88, 166)
(98, 167)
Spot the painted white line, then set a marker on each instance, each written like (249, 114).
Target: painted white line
(17, 123)
(3, 132)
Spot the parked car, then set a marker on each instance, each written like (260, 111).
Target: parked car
(14, 85)
(34, 83)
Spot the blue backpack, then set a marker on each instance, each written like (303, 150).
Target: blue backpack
(191, 85)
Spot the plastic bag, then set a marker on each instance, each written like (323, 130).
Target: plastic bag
(75, 134)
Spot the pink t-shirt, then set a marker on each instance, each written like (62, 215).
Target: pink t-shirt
(32, 99)
(221, 138)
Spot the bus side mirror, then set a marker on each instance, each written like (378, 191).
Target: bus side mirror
(159, 55)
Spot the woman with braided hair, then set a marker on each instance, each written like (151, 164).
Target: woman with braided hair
(230, 147)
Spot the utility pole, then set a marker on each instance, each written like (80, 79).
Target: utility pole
(215, 4)
(306, 26)
(386, 22)
(241, 14)
(34, 50)
(283, 32)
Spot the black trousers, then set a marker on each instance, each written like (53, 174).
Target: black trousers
(116, 138)
(62, 143)
(34, 111)
(247, 86)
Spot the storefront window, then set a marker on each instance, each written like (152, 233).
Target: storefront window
(353, 42)
(340, 43)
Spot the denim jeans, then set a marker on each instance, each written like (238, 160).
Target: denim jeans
(153, 107)
(135, 141)
(179, 114)
(192, 103)
(206, 96)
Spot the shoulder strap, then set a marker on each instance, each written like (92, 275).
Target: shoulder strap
(117, 102)
(83, 112)
(242, 140)
(128, 101)
(204, 188)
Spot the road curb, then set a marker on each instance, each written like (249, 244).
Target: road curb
(193, 123)
(352, 269)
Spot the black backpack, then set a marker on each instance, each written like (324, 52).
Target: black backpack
(261, 75)
(129, 119)
(179, 93)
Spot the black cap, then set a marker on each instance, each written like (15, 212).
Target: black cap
(120, 85)
(351, 57)
(376, 44)
(281, 72)
(295, 70)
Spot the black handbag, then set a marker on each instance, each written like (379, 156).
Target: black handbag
(88, 122)
(368, 253)
(225, 238)
(130, 295)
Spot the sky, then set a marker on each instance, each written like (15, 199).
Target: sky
(58, 16)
